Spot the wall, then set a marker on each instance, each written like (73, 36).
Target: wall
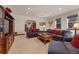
(20, 21)
(64, 20)
(39, 19)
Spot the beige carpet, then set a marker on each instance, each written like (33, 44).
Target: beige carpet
(23, 45)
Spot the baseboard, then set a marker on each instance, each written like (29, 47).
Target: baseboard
(20, 34)
(16, 34)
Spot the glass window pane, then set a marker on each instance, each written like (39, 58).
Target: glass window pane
(58, 23)
(70, 25)
(72, 20)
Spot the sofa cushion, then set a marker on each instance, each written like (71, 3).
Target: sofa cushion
(56, 31)
(57, 38)
(68, 34)
(33, 30)
(63, 32)
(49, 30)
(67, 39)
(71, 48)
(57, 47)
(75, 41)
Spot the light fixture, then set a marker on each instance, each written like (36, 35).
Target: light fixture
(28, 11)
(43, 27)
(76, 27)
(28, 8)
(60, 8)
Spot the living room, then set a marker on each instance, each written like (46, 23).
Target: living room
(45, 29)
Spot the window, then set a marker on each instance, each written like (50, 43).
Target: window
(71, 20)
(58, 23)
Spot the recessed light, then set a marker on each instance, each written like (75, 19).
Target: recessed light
(28, 8)
(60, 8)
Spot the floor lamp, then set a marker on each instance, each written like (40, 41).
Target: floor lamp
(76, 27)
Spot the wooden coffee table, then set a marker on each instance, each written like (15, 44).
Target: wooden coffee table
(44, 36)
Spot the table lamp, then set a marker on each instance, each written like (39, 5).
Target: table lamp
(76, 27)
(44, 27)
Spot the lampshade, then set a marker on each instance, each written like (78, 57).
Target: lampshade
(76, 26)
(44, 26)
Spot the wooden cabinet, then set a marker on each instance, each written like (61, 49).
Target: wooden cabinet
(6, 30)
(9, 41)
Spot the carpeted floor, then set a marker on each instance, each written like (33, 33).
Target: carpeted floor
(23, 45)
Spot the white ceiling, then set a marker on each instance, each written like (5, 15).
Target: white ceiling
(41, 10)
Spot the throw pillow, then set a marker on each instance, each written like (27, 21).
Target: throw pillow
(33, 30)
(56, 31)
(75, 41)
(68, 34)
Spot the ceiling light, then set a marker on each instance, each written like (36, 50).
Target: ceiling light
(28, 8)
(60, 8)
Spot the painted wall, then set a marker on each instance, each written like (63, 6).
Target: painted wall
(64, 20)
(20, 21)
(38, 20)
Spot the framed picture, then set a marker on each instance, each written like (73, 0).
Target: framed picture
(50, 22)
